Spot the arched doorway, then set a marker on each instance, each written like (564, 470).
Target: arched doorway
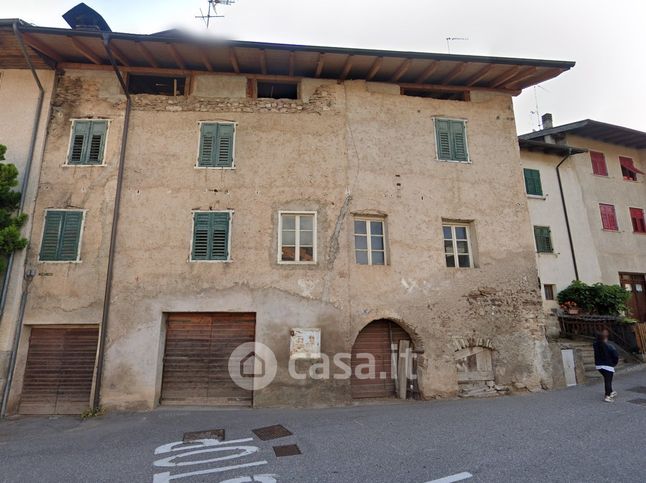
(380, 339)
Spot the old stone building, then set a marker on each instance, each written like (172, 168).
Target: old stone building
(315, 200)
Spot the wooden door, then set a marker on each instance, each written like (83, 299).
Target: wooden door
(196, 359)
(381, 340)
(635, 283)
(59, 371)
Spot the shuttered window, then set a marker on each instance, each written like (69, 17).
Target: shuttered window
(61, 236)
(543, 237)
(608, 217)
(216, 145)
(451, 139)
(599, 166)
(533, 182)
(637, 218)
(211, 235)
(87, 145)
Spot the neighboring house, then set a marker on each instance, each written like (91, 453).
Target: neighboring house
(24, 114)
(602, 178)
(265, 190)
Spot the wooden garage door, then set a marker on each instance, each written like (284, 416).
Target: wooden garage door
(196, 359)
(376, 338)
(59, 370)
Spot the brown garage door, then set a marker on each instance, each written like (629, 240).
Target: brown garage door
(196, 359)
(376, 339)
(59, 370)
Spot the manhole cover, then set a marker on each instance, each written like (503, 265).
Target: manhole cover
(209, 434)
(287, 450)
(272, 432)
(638, 401)
(639, 389)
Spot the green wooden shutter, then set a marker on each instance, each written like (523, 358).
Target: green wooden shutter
(96, 144)
(68, 245)
(458, 141)
(211, 236)
(543, 237)
(220, 236)
(224, 146)
(78, 146)
(208, 141)
(51, 234)
(201, 230)
(533, 184)
(443, 138)
(61, 236)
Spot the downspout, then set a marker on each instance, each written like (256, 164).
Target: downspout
(30, 157)
(567, 220)
(113, 233)
(23, 191)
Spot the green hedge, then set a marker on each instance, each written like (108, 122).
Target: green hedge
(598, 299)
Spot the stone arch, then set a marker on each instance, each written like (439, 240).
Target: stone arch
(474, 365)
(416, 339)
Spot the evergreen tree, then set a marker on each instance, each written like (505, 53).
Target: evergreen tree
(10, 221)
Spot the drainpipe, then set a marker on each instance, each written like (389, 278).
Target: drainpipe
(567, 220)
(113, 233)
(30, 157)
(23, 190)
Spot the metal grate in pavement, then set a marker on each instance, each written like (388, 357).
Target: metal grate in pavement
(272, 432)
(209, 434)
(287, 450)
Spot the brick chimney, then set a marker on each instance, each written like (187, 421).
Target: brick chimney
(547, 120)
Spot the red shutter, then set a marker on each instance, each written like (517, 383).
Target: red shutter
(598, 163)
(637, 217)
(608, 217)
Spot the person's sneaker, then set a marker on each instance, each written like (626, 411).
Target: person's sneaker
(608, 399)
(613, 394)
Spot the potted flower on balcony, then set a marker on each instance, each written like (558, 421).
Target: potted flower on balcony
(570, 307)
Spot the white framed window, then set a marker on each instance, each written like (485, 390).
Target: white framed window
(297, 237)
(457, 246)
(369, 241)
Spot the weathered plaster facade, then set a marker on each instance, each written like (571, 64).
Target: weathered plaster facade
(342, 149)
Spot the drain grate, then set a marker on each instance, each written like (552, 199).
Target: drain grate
(639, 389)
(272, 432)
(286, 450)
(209, 434)
(638, 401)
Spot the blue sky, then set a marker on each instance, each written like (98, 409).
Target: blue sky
(606, 39)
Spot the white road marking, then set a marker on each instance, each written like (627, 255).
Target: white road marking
(166, 476)
(452, 478)
(267, 478)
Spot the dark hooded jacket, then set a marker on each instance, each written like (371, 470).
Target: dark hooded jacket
(605, 354)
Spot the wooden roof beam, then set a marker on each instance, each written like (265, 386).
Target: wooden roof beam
(456, 71)
(176, 57)
(147, 55)
(291, 63)
(426, 73)
(401, 70)
(374, 68)
(548, 74)
(521, 76)
(233, 58)
(120, 56)
(347, 67)
(319, 65)
(263, 61)
(205, 60)
(85, 51)
(478, 76)
(505, 76)
(36, 44)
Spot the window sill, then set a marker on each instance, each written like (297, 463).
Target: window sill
(215, 167)
(67, 165)
(537, 197)
(281, 262)
(554, 254)
(454, 161)
(605, 176)
(59, 261)
(210, 261)
(607, 230)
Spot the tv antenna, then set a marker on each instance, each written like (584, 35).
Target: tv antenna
(212, 11)
(451, 39)
(537, 112)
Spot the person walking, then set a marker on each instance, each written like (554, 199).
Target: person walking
(605, 360)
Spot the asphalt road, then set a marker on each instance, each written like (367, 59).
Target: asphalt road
(566, 435)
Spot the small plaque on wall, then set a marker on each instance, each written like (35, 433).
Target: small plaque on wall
(305, 344)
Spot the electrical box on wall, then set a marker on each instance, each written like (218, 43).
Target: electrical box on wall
(305, 343)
